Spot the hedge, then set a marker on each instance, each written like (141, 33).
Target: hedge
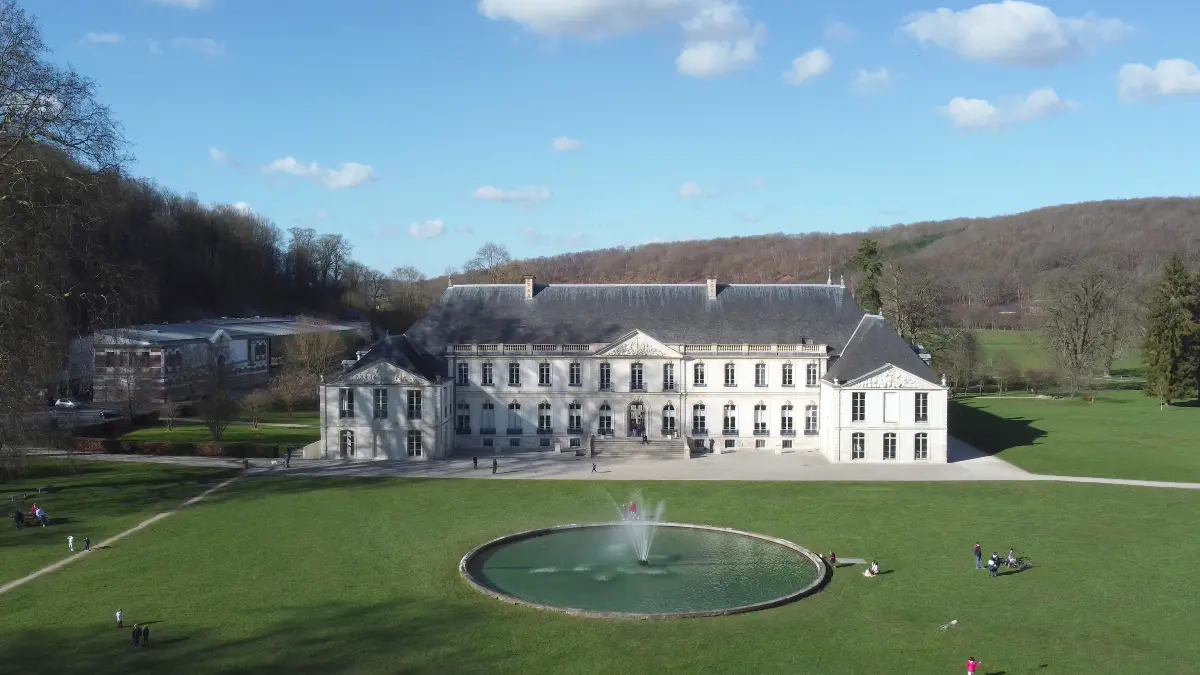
(95, 446)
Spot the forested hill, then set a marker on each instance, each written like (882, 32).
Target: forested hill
(986, 262)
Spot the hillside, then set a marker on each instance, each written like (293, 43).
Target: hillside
(983, 262)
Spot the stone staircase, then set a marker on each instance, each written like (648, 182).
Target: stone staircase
(657, 448)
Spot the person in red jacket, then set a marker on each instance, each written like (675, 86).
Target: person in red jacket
(972, 664)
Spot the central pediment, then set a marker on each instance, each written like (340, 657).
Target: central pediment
(635, 344)
(382, 373)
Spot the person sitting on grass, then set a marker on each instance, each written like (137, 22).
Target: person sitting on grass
(832, 559)
(873, 570)
(993, 567)
(1012, 558)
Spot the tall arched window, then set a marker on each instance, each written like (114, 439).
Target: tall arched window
(544, 424)
(786, 427)
(699, 422)
(574, 418)
(698, 379)
(347, 443)
(637, 379)
(668, 419)
(811, 426)
(730, 425)
(514, 418)
(604, 423)
(487, 418)
(760, 419)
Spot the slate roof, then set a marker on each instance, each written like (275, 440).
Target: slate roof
(257, 327)
(670, 313)
(875, 344)
(401, 353)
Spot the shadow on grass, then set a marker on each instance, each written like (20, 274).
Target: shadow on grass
(990, 433)
(414, 636)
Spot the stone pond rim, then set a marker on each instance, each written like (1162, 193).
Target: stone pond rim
(822, 575)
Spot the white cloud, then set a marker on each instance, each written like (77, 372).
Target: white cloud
(807, 66)
(184, 4)
(691, 191)
(463, 229)
(352, 174)
(427, 229)
(1170, 77)
(565, 241)
(102, 39)
(243, 207)
(975, 114)
(219, 156)
(488, 193)
(872, 80)
(562, 143)
(202, 46)
(839, 32)
(1013, 33)
(718, 36)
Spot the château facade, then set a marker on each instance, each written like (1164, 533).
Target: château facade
(740, 367)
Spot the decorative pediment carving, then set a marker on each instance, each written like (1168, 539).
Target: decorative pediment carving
(638, 344)
(893, 378)
(384, 373)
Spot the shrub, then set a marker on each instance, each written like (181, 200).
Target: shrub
(158, 448)
(90, 446)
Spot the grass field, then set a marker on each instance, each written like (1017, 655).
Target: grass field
(309, 417)
(1122, 434)
(314, 576)
(97, 500)
(234, 433)
(1025, 349)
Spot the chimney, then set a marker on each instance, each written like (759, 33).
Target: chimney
(528, 286)
(711, 284)
(829, 277)
(449, 281)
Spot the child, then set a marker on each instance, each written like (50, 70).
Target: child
(832, 559)
(120, 619)
(972, 664)
(71, 542)
(87, 544)
(873, 570)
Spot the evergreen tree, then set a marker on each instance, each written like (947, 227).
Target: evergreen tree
(1169, 352)
(869, 263)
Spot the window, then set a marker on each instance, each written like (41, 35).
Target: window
(380, 400)
(730, 443)
(487, 421)
(787, 444)
(575, 443)
(544, 417)
(543, 442)
(730, 375)
(543, 374)
(921, 407)
(345, 403)
(346, 439)
(605, 376)
(489, 442)
(414, 443)
(514, 374)
(574, 418)
(921, 446)
(414, 404)
(698, 374)
(730, 425)
(786, 424)
(785, 376)
(891, 407)
(514, 442)
(760, 374)
(811, 372)
(699, 423)
(464, 374)
(575, 374)
(858, 446)
(514, 418)
(889, 446)
(485, 374)
(605, 421)
(636, 382)
(668, 419)
(760, 444)
(668, 377)
(858, 406)
(462, 422)
(811, 426)
(760, 420)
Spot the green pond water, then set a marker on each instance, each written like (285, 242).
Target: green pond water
(594, 568)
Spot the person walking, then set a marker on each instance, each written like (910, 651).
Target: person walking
(120, 619)
(287, 459)
(594, 468)
(972, 664)
(145, 635)
(87, 544)
(137, 635)
(978, 557)
(71, 542)
(475, 462)
(495, 465)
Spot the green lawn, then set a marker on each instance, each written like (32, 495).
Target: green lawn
(1026, 350)
(1122, 434)
(234, 433)
(96, 500)
(315, 576)
(309, 417)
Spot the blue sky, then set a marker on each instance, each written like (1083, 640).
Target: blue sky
(681, 118)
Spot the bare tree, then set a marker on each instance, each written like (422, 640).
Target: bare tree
(131, 388)
(491, 259)
(316, 353)
(375, 287)
(170, 412)
(1077, 318)
(959, 359)
(255, 403)
(294, 387)
(913, 297)
(217, 408)
(57, 146)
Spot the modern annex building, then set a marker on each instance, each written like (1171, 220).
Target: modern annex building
(748, 367)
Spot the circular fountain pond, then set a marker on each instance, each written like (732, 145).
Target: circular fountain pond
(688, 571)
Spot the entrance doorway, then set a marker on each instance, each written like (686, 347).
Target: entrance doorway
(637, 418)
